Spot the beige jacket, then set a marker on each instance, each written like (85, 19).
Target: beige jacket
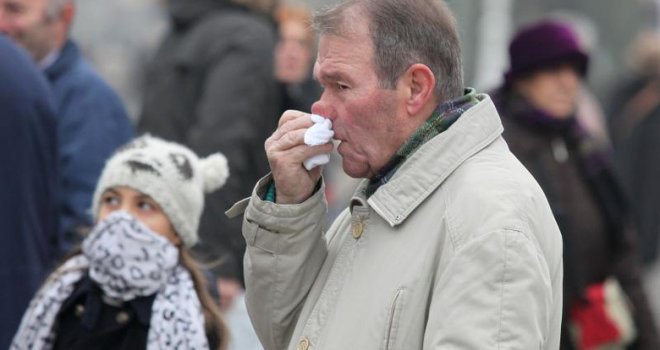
(458, 251)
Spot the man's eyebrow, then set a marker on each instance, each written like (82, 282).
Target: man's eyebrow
(331, 76)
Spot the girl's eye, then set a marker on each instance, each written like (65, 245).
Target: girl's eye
(144, 205)
(110, 200)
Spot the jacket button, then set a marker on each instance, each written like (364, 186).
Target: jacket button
(358, 228)
(79, 310)
(122, 317)
(303, 344)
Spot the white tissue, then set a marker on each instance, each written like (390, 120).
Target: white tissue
(320, 133)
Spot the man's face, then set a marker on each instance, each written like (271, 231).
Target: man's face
(365, 117)
(554, 91)
(25, 21)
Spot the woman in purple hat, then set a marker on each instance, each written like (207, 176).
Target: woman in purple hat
(604, 304)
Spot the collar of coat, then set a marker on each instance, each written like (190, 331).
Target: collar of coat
(442, 118)
(428, 167)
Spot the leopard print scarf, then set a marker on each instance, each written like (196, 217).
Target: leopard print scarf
(127, 260)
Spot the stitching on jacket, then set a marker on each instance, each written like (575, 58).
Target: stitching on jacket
(502, 291)
(450, 224)
(393, 316)
(271, 310)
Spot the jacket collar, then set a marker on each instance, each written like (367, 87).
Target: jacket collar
(68, 57)
(430, 165)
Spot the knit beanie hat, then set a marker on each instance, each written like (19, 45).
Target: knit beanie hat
(543, 45)
(169, 173)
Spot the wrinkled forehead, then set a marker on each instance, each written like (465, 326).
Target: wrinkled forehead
(23, 7)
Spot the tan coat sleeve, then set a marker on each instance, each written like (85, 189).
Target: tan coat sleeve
(496, 293)
(285, 251)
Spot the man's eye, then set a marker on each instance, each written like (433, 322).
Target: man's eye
(342, 86)
(14, 8)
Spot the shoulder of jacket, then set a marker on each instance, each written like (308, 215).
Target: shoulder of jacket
(239, 23)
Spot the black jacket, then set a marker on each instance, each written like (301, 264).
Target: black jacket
(211, 87)
(634, 121)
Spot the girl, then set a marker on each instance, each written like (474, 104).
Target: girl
(133, 284)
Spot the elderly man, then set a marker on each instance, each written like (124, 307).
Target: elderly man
(92, 121)
(448, 242)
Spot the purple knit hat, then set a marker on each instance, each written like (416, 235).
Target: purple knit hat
(544, 44)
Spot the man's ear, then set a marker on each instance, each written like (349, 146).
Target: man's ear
(419, 82)
(67, 14)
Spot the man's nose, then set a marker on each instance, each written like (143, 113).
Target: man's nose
(322, 107)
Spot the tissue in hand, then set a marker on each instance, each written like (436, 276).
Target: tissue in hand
(319, 134)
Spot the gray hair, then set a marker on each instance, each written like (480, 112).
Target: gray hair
(54, 8)
(404, 32)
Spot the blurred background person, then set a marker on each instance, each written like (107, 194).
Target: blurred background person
(634, 120)
(538, 102)
(589, 108)
(211, 87)
(294, 57)
(28, 175)
(92, 122)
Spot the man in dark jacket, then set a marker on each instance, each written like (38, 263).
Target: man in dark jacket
(28, 175)
(538, 104)
(634, 121)
(92, 122)
(211, 87)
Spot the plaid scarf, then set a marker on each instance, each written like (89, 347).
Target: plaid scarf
(444, 116)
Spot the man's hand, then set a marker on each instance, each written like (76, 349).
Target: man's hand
(286, 151)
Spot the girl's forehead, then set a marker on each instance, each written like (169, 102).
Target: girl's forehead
(126, 191)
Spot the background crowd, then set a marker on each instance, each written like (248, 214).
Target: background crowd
(215, 75)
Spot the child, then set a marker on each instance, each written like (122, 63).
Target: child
(133, 284)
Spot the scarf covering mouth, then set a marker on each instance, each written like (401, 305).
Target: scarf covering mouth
(127, 260)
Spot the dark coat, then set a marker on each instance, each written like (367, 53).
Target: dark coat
(299, 96)
(211, 87)
(28, 176)
(634, 121)
(587, 202)
(85, 321)
(92, 124)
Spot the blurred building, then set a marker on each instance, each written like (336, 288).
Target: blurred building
(119, 37)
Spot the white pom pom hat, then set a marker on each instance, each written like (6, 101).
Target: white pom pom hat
(169, 173)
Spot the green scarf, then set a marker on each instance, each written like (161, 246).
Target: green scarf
(442, 118)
